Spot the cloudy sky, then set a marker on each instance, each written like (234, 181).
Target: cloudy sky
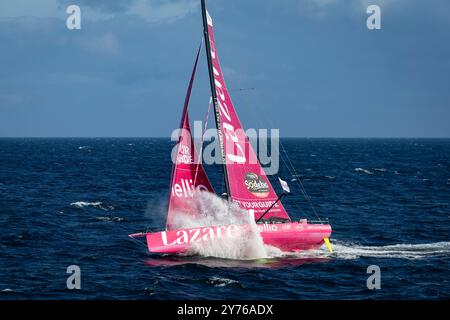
(316, 70)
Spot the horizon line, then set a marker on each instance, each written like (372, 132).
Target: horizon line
(168, 137)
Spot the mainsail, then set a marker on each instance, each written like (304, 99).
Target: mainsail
(246, 181)
(188, 174)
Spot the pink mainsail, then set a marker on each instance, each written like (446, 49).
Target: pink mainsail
(188, 174)
(248, 184)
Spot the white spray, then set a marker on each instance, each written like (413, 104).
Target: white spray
(212, 210)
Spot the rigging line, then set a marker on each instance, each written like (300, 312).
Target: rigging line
(137, 241)
(298, 179)
(300, 183)
(262, 142)
(240, 90)
(292, 174)
(200, 154)
(289, 165)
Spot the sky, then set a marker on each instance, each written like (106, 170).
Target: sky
(316, 69)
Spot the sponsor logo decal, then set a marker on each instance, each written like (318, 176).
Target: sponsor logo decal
(286, 226)
(256, 185)
(267, 227)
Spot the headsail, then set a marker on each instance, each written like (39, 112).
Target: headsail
(187, 173)
(247, 182)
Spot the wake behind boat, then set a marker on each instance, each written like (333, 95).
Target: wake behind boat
(246, 184)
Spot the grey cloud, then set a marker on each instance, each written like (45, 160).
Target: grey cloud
(106, 6)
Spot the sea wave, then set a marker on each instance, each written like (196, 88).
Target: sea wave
(110, 219)
(97, 204)
(363, 170)
(84, 147)
(379, 169)
(7, 290)
(221, 282)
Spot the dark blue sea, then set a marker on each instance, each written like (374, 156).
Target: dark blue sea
(74, 201)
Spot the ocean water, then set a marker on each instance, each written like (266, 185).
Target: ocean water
(74, 201)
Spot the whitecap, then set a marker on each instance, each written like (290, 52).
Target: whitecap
(7, 290)
(84, 147)
(110, 219)
(221, 282)
(97, 204)
(363, 170)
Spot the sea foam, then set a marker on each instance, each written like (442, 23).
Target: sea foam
(344, 250)
(213, 211)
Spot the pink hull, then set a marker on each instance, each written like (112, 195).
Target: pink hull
(294, 236)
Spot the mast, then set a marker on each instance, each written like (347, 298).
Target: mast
(214, 96)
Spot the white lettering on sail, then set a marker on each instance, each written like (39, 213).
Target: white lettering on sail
(231, 134)
(229, 131)
(219, 89)
(224, 110)
(213, 51)
(185, 188)
(184, 156)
